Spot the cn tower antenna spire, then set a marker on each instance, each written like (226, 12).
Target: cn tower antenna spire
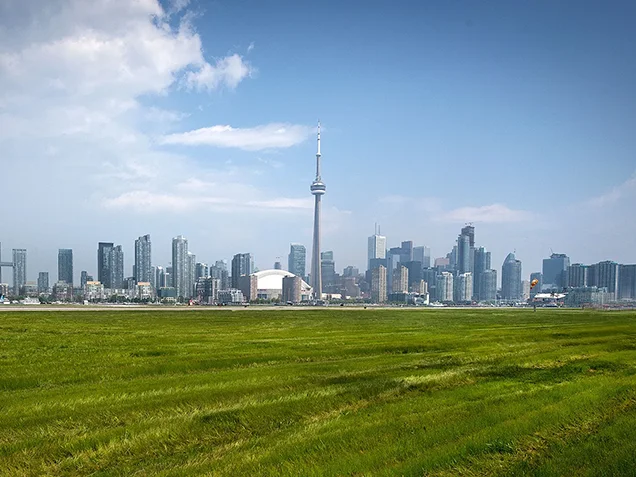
(318, 189)
(318, 155)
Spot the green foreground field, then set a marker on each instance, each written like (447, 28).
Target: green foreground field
(318, 392)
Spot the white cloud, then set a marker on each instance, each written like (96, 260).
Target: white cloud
(617, 193)
(495, 213)
(228, 71)
(156, 202)
(270, 136)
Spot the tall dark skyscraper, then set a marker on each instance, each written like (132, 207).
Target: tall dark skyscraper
(117, 267)
(555, 270)
(143, 259)
(65, 265)
(318, 188)
(511, 278)
(104, 251)
(296, 260)
(242, 265)
(466, 250)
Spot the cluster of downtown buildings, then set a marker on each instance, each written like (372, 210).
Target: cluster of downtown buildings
(404, 274)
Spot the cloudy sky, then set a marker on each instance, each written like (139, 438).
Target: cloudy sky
(125, 117)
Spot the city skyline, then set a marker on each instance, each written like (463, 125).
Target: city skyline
(433, 115)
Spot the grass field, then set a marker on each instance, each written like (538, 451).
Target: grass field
(318, 392)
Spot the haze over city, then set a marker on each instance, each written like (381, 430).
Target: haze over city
(119, 119)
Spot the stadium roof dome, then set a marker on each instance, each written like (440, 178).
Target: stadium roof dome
(273, 280)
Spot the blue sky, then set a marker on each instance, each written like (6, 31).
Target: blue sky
(197, 118)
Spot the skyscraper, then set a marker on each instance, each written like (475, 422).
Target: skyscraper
(377, 248)
(488, 285)
(463, 287)
(400, 283)
(19, 269)
(464, 254)
(179, 265)
(296, 259)
(607, 277)
(242, 265)
(65, 265)
(191, 270)
(83, 278)
(423, 255)
(511, 278)
(627, 282)
(143, 259)
(555, 269)
(328, 270)
(445, 286)
(202, 270)
(481, 264)
(318, 188)
(576, 275)
(378, 284)
(104, 250)
(43, 282)
(117, 267)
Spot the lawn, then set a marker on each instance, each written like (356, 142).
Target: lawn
(318, 392)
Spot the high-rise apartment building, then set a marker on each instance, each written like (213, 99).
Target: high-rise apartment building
(242, 265)
(191, 269)
(350, 271)
(83, 278)
(43, 282)
(555, 270)
(445, 287)
(378, 284)
(463, 287)
(488, 286)
(464, 254)
(400, 279)
(607, 277)
(219, 270)
(202, 270)
(422, 255)
(19, 269)
(627, 282)
(180, 265)
(143, 259)
(65, 265)
(577, 276)
(104, 250)
(117, 267)
(292, 289)
(511, 278)
(481, 264)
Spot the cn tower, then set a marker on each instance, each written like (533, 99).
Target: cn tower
(318, 188)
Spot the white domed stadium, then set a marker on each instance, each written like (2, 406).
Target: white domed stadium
(269, 285)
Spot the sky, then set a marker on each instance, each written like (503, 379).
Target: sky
(121, 118)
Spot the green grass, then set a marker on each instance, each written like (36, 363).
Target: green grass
(318, 392)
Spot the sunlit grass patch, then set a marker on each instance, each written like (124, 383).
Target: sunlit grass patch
(318, 392)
